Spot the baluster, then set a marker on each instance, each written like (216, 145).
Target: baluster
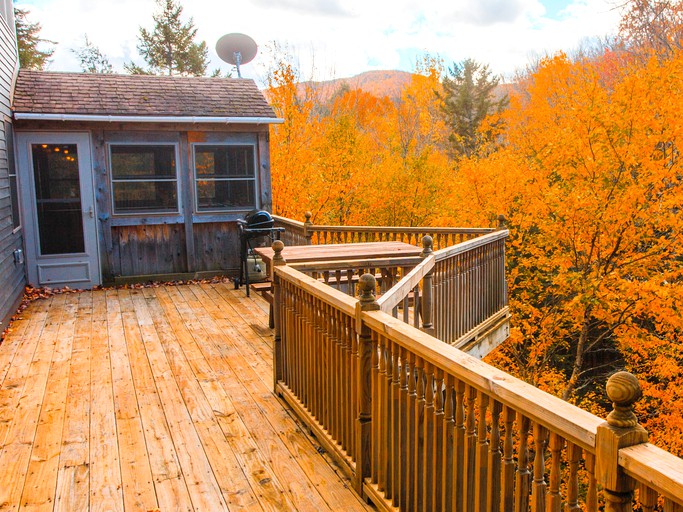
(411, 495)
(403, 430)
(554, 497)
(335, 377)
(349, 414)
(460, 433)
(416, 307)
(672, 506)
(318, 360)
(523, 474)
(382, 399)
(325, 314)
(508, 485)
(350, 287)
(539, 485)
(481, 456)
(376, 427)
(359, 376)
(448, 444)
(338, 277)
(394, 424)
(470, 451)
(592, 493)
(573, 456)
(419, 434)
(495, 459)
(647, 497)
(437, 456)
(387, 421)
(428, 475)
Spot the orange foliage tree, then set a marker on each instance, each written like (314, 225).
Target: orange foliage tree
(592, 194)
(356, 158)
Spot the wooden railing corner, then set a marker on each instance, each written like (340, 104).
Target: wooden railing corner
(620, 430)
(502, 222)
(308, 233)
(427, 289)
(278, 260)
(367, 302)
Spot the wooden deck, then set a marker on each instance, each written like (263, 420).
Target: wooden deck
(153, 398)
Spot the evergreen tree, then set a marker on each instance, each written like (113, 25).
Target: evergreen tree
(170, 47)
(28, 40)
(92, 59)
(468, 98)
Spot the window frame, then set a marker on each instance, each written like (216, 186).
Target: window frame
(12, 177)
(112, 180)
(196, 178)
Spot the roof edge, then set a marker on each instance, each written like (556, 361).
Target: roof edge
(146, 119)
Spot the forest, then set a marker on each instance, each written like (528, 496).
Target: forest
(580, 156)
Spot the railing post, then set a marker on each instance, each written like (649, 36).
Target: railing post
(427, 305)
(367, 302)
(278, 260)
(619, 431)
(502, 222)
(307, 226)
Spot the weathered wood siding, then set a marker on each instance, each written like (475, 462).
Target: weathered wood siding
(149, 249)
(183, 242)
(216, 245)
(12, 275)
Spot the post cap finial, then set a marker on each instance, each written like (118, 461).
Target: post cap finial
(308, 216)
(278, 246)
(501, 221)
(366, 291)
(623, 389)
(427, 245)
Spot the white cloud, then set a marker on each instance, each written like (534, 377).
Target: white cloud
(341, 37)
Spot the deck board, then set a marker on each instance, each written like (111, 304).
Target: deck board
(133, 399)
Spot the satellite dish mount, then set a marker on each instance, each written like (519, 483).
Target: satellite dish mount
(236, 49)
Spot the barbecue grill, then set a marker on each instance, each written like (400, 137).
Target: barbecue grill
(255, 225)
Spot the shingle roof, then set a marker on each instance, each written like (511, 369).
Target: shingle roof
(43, 92)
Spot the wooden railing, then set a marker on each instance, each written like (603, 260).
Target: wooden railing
(420, 425)
(343, 275)
(307, 233)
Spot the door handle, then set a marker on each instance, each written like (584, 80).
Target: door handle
(90, 212)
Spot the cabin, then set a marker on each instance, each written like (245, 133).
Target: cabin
(137, 177)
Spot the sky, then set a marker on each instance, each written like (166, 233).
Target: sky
(340, 38)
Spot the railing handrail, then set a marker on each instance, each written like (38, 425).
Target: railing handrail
(448, 252)
(320, 266)
(659, 469)
(327, 294)
(400, 290)
(398, 229)
(571, 422)
(287, 220)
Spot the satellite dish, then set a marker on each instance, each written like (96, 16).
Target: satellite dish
(236, 49)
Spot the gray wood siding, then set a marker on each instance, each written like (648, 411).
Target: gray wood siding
(12, 275)
(217, 246)
(149, 249)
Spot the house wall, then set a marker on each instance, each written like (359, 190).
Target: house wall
(186, 242)
(12, 272)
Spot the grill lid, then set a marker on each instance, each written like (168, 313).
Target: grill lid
(259, 219)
